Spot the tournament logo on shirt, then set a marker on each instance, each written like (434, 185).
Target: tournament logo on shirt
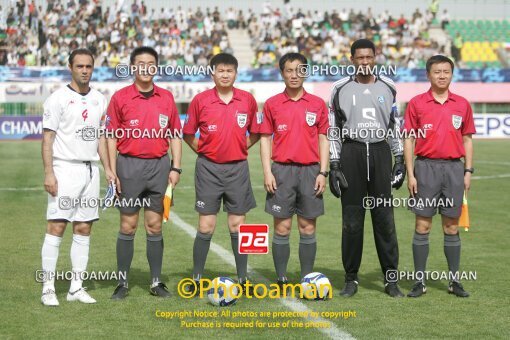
(163, 120)
(242, 118)
(456, 121)
(311, 118)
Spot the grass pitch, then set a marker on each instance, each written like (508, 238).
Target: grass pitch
(437, 314)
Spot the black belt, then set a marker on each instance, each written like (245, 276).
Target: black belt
(129, 156)
(296, 164)
(421, 158)
(229, 162)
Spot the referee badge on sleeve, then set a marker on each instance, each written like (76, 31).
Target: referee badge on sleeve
(163, 120)
(456, 121)
(310, 118)
(242, 118)
(260, 117)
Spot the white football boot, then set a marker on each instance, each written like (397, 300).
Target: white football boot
(80, 295)
(49, 298)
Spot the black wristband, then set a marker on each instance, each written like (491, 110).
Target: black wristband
(179, 171)
(471, 170)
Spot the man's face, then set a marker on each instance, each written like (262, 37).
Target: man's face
(146, 67)
(440, 75)
(224, 75)
(290, 74)
(81, 69)
(364, 60)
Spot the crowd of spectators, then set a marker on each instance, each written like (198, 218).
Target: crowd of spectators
(31, 35)
(325, 37)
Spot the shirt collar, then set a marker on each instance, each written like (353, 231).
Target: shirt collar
(136, 93)
(429, 97)
(217, 99)
(305, 96)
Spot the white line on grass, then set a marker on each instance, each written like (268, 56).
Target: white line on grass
(293, 304)
(491, 177)
(189, 187)
(493, 162)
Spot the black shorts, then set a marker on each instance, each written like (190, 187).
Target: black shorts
(440, 187)
(295, 193)
(142, 180)
(229, 182)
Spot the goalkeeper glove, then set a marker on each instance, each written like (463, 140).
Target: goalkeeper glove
(337, 181)
(398, 173)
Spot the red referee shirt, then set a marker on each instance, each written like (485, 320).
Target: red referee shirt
(296, 126)
(444, 125)
(130, 111)
(222, 126)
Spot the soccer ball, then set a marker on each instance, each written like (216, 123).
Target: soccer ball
(223, 292)
(316, 286)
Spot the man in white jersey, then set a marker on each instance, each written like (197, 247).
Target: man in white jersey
(70, 150)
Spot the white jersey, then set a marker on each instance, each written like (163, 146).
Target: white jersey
(76, 119)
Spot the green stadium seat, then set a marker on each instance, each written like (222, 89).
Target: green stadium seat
(481, 38)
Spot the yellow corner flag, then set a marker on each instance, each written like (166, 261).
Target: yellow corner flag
(167, 202)
(464, 215)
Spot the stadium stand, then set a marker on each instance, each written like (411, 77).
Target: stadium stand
(325, 37)
(479, 41)
(34, 36)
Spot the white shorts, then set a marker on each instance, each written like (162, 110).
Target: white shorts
(77, 199)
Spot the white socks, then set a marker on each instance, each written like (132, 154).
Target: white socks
(79, 259)
(49, 254)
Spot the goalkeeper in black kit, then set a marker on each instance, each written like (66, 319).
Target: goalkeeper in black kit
(363, 115)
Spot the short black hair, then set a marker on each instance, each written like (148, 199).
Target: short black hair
(438, 59)
(362, 43)
(80, 51)
(143, 50)
(291, 57)
(223, 58)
